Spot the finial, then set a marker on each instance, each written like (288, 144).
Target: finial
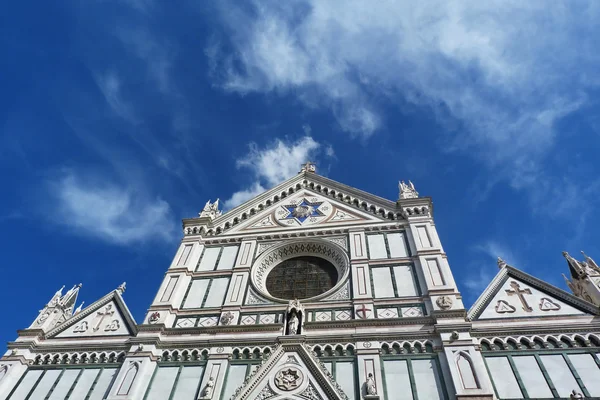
(501, 263)
(309, 166)
(78, 309)
(121, 288)
(211, 210)
(407, 191)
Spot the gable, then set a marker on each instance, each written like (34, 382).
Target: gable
(515, 294)
(107, 317)
(291, 372)
(304, 209)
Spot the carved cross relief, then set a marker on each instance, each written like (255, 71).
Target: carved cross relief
(517, 291)
(108, 312)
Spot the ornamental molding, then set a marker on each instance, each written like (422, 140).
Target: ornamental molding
(342, 294)
(327, 250)
(358, 199)
(509, 272)
(314, 366)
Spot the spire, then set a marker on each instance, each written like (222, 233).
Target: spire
(407, 191)
(590, 262)
(575, 267)
(309, 166)
(211, 210)
(78, 309)
(56, 298)
(121, 288)
(70, 298)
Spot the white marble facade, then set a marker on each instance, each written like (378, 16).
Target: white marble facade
(391, 325)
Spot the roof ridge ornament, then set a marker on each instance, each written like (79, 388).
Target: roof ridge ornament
(211, 210)
(501, 263)
(121, 288)
(407, 191)
(309, 166)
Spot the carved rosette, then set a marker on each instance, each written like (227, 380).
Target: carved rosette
(289, 378)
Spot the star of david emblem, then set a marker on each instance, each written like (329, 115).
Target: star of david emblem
(303, 210)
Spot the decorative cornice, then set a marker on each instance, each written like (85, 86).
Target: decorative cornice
(383, 208)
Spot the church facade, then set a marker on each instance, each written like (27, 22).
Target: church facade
(315, 290)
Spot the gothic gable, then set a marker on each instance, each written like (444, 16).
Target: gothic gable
(108, 316)
(304, 209)
(354, 205)
(515, 294)
(291, 372)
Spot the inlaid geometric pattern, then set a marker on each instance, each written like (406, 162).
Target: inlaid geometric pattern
(267, 319)
(185, 322)
(387, 313)
(321, 316)
(208, 321)
(248, 320)
(412, 312)
(343, 315)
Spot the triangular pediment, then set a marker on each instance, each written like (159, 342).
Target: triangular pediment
(108, 316)
(516, 294)
(291, 372)
(352, 206)
(303, 209)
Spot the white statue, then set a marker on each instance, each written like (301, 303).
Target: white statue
(407, 191)
(293, 324)
(211, 210)
(576, 395)
(370, 385)
(209, 387)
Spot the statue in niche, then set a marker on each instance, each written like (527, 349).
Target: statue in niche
(294, 318)
(293, 324)
(370, 385)
(208, 389)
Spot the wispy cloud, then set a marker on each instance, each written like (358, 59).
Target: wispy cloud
(496, 84)
(109, 84)
(273, 164)
(483, 265)
(107, 211)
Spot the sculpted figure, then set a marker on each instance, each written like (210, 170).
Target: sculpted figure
(209, 387)
(293, 325)
(370, 385)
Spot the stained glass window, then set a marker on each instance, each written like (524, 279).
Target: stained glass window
(301, 278)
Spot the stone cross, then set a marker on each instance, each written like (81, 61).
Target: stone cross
(517, 291)
(107, 313)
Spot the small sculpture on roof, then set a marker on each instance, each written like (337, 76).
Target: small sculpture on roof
(407, 191)
(309, 166)
(211, 210)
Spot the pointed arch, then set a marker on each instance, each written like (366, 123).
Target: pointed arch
(464, 364)
(128, 379)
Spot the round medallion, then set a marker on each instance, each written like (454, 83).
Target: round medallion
(220, 349)
(367, 345)
(288, 379)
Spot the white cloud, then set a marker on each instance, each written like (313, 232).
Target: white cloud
(273, 164)
(497, 75)
(494, 249)
(477, 282)
(112, 213)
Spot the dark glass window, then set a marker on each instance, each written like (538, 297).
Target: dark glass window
(301, 278)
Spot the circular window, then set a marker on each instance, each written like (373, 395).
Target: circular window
(301, 278)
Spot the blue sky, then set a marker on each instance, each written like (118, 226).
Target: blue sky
(119, 118)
